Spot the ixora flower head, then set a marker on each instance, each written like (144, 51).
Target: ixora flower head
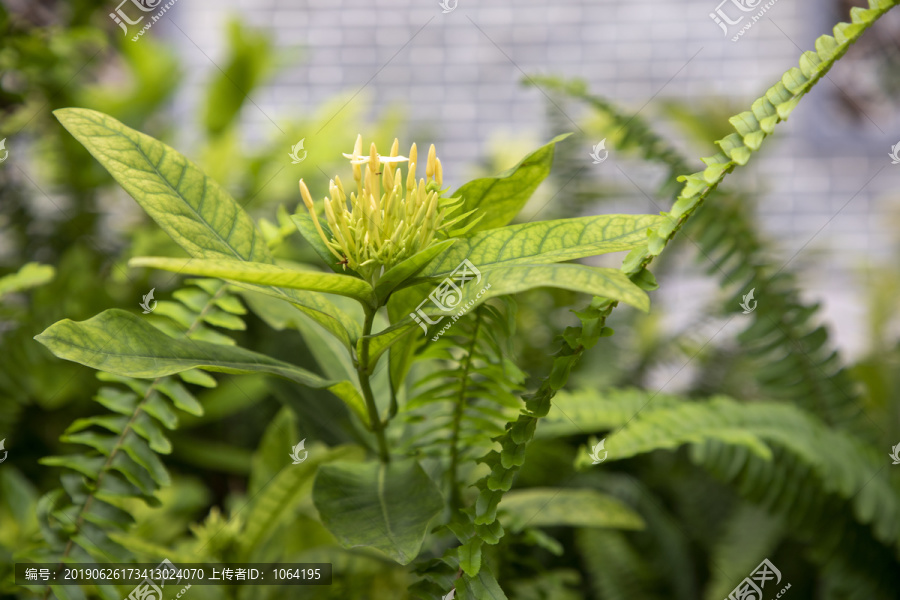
(389, 217)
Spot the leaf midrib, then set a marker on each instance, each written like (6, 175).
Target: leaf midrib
(289, 297)
(184, 168)
(382, 501)
(282, 365)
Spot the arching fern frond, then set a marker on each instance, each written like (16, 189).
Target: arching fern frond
(795, 361)
(631, 131)
(120, 457)
(830, 487)
(472, 395)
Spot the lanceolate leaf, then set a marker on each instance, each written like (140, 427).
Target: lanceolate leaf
(546, 242)
(500, 198)
(124, 344)
(193, 209)
(386, 506)
(608, 283)
(264, 274)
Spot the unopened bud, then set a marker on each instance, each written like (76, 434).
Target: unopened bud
(429, 166)
(307, 198)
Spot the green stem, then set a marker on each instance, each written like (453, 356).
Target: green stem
(455, 495)
(362, 368)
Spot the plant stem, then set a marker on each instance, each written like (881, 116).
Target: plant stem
(362, 368)
(455, 495)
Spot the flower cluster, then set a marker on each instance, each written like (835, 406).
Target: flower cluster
(388, 218)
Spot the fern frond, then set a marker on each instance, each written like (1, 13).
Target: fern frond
(831, 488)
(472, 395)
(795, 361)
(631, 131)
(120, 461)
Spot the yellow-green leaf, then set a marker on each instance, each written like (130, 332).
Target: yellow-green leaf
(546, 242)
(264, 274)
(500, 198)
(121, 343)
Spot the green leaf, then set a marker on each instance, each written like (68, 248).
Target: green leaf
(270, 456)
(264, 274)
(399, 273)
(291, 484)
(383, 340)
(385, 506)
(470, 556)
(18, 496)
(180, 396)
(482, 587)
(89, 466)
(138, 450)
(549, 507)
(124, 344)
(30, 275)
(332, 358)
(319, 308)
(500, 198)
(192, 208)
(608, 283)
(546, 242)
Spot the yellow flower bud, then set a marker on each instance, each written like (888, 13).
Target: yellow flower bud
(429, 166)
(384, 223)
